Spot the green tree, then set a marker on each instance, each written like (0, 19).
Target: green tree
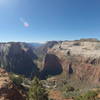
(17, 79)
(37, 91)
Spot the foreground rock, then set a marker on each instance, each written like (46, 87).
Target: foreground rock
(8, 90)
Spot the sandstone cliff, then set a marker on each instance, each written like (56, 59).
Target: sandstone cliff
(17, 58)
(78, 60)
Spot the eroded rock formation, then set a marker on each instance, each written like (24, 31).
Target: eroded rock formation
(17, 58)
(79, 59)
(8, 90)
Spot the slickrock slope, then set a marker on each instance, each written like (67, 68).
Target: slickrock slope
(79, 60)
(81, 48)
(8, 90)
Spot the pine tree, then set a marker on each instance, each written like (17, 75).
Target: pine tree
(37, 91)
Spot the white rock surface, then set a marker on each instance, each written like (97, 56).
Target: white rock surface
(86, 49)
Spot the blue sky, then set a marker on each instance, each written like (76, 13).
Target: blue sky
(43, 20)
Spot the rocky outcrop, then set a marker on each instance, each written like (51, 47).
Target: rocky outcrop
(79, 60)
(8, 91)
(78, 48)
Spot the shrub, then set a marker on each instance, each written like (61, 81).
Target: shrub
(68, 88)
(90, 95)
(37, 91)
(17, 79)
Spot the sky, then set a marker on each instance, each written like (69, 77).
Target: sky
(46, 20)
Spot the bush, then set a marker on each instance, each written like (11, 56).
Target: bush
(68, 88)
(17, 79)
(90, 95)
(37, 91)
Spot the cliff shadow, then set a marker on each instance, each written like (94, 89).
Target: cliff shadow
(52, 66)
(20, 61)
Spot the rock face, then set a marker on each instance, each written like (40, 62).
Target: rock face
(8, 90)
(79, 60)
(52, 66)
(81, 48)
(17, 58)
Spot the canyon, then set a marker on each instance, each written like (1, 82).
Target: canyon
(75, 63)
(79, 59)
